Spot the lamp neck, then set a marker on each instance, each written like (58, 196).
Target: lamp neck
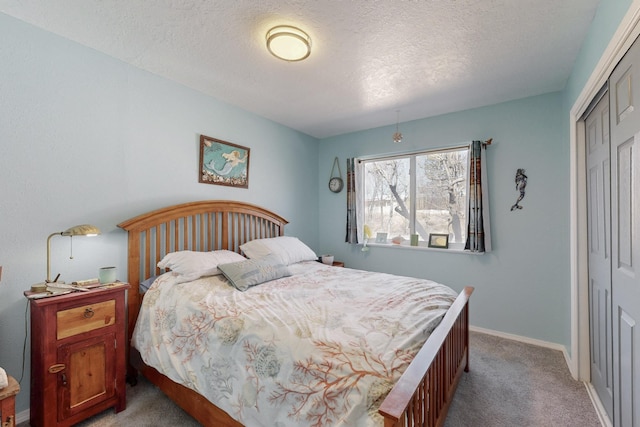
(49, 253)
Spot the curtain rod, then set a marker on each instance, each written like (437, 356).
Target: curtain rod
(411, 153)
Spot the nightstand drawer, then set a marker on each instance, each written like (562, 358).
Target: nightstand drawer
(85, 318)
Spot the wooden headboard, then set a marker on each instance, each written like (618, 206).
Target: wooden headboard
(198, 226)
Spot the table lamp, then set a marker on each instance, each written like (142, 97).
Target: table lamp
(78, 230)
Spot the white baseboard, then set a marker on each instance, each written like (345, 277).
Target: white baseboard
(22, 416)
(595, 400)
(526, 340)
(597, 404)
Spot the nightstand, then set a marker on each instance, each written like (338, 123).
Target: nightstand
(78, 362)
(338, 264)
(8, 403)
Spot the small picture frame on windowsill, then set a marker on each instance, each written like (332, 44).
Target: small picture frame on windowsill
(381, 238)
(440, 241)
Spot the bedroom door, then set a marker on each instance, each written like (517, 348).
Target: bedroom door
(599, 250)
(624, 87)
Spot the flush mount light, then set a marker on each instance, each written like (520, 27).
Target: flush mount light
(288, 43)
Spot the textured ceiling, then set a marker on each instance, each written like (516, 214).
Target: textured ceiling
(369, 58)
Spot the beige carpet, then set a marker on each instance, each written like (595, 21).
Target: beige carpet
(510, 384)
(515, 384)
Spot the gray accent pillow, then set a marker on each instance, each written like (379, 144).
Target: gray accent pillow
(252, 272)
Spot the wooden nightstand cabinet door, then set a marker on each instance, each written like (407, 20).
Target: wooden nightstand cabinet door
(88, 377)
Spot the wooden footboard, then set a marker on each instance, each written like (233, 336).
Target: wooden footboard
(424, 392)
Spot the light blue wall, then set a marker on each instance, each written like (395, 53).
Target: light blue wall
(604, 25)
(520, 286)
(86, 138)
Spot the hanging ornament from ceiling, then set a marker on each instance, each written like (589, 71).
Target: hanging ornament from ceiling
(397, 136)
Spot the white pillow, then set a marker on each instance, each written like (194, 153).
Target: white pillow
(288, 250)
(192, 265)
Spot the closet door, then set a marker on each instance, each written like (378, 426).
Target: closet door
(624, 87)
(599, 251)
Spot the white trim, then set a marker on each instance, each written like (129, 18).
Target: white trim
(591, 392)
(520, 338)
(597, 405)
(23, 416)
(454, 248)
(403, 154)
(627, 32)
(412, 154)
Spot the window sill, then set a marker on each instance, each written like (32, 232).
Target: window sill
(455, 250)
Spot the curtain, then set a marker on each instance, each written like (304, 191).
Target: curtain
(478, 227)
(353, 168)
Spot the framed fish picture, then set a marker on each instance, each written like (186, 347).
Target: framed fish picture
(223, 163)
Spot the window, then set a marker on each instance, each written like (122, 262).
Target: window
(418, 193)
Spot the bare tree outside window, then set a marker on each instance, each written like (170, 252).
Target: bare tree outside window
(441, 191)
(386, 187)
(437, 199)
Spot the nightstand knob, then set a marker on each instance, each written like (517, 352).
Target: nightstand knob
(88, 313)
(54, 369)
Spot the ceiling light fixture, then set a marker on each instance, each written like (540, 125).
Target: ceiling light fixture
(288, 43)
(397, 136)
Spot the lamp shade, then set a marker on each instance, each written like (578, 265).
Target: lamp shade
(78, 230)
(288, 43)
(82, 230)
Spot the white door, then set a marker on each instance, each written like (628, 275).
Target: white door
(624, 91)
(599, 251)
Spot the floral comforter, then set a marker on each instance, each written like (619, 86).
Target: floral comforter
(322, 347)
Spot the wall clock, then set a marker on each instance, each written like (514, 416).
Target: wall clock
(335, 182)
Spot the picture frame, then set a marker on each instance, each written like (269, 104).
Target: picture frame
(381, 238)
(438, 240)
(223, 163)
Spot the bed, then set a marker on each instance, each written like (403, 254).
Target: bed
(420, 394)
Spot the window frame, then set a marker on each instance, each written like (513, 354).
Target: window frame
(412, 156)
